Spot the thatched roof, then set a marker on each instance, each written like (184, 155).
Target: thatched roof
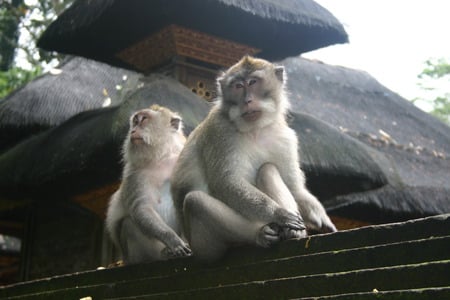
(392, 204)
(416, 144)
(355, 169)
(355, 101)
(84, 152)
(100, 29)
(91, 154)
(76, 85)
(337, 164)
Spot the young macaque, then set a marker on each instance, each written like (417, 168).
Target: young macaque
(141, 218)
(238, 179)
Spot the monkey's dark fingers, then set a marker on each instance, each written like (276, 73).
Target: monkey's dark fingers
(185, 251)
(289, 233)
(286, 218)
(297, 225)
(271, 229)
(295, 221)
(268, 235)
(181, 251)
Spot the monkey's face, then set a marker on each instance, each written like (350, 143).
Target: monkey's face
(147, 126)
(251, 95)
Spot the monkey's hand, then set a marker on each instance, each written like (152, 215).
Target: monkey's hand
(177, 249)
(268, 235)
(286, 219)
(289, 233)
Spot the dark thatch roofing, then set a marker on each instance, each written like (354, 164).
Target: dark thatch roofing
(100, 29)
(84, 152)
(392, 204)
(416, 144)
(91, 154)
(337, 164)
(356, 104)
(78, 85)
(357, 170)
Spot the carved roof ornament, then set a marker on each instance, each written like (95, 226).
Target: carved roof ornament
(161, 47)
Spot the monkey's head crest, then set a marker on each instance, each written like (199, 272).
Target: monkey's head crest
(156, 107)
(246, 65)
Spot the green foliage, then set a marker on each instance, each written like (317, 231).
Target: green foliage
(442, 108)
(437, 71)
(27, 20)
(15, 77)
(10, 16)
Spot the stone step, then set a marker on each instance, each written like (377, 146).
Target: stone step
(410, 252)
(407, 243)
(416, 276)
(356, 238)
(413, 294)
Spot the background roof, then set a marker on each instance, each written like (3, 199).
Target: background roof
(356, 104)
(100, 29)
(84, 152)
(358, 171)
(416, 144)
(77, 85)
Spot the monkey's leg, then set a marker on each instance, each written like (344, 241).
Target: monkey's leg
(212, 227)
(136, 247)
(270, 182)
(310, 208)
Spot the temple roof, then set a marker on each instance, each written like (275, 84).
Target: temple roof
(76, 85)
(102, 29)
(368, 154)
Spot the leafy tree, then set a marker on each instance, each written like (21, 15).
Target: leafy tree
(15, 77)
(21, 24)
(437, 73)
(10, 16)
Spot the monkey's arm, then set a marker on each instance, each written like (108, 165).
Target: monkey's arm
(153, 226)
(240, 195)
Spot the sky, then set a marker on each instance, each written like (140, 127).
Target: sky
(390, 39)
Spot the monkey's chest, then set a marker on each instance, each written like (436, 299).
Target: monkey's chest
(164, 205)
(260, 151)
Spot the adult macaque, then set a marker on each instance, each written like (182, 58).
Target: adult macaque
(238, 180)
(141, 219)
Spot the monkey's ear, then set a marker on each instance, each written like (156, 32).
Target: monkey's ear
(175, 123)
(279, 72)
(221, 79)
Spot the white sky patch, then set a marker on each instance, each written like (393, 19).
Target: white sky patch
(390, 40)
(25, 38)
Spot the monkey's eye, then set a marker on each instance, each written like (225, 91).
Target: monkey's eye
(252, 81)
(238, 85)
(135, 121)
(175, 123)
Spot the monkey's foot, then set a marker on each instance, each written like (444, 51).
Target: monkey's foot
(118, 263)
(179, 251)
(268, 235)
(289, 233)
